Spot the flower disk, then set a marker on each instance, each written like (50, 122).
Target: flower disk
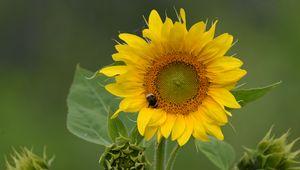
(187, 72)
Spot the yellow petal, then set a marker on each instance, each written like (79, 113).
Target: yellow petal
(143, 119)
(201, 115)
(133, 54)
(135, 45)
(133, 40)
(228, 86)
(223, 97)
(124, 89)
(199, 131)
(225, 78)
(166, 128)
(228, 113)
(127, 58)
(155, 25)
(114, 70)
(184, 138)
(214, 130)
(216, 48)
(179, 127)
(200, 134)
(159, 136)
(168, 24)
(177, 35)
(116, 114)
(148, 34)
(214, 110)
(194, 40)
(158, 117)
(223, 64)
(131, 104)
(206, 37)
(155, 22)
(211, 32)
(150, 132)
(197, 30)
(134, 77)
(182, 15)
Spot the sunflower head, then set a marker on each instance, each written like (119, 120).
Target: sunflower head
(185, 71)
(271, 153)
(123, 155)
(27, 160)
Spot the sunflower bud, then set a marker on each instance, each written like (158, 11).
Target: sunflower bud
(27, 160)
(125, 156)
(271, 153)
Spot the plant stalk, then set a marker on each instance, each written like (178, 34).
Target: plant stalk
(172, 157)
(160, 155)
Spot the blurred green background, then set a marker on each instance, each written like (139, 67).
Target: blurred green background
(41, 41)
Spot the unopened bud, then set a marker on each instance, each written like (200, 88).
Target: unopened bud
(27, 160)
(125, 156)
(271, 154)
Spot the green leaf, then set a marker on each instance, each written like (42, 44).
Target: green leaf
(88, 107)
(245, 96)
(116, 128)
(135, 136)
(218, 152)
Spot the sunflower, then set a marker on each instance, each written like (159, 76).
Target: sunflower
(177, 79)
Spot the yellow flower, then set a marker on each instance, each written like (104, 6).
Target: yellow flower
(178, 79)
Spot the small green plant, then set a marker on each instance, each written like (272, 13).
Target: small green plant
(271, 153)
(25, 159)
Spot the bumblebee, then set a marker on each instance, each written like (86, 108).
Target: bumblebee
(151, 100)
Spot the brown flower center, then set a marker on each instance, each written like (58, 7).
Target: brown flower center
(178, 82)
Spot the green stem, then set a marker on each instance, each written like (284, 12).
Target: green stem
(172, 157)
(160, 155)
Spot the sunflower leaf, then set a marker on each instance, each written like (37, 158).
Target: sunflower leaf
(89, 104)
(244, 96)
(116, 128)
(135, 136)
(220, 153)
